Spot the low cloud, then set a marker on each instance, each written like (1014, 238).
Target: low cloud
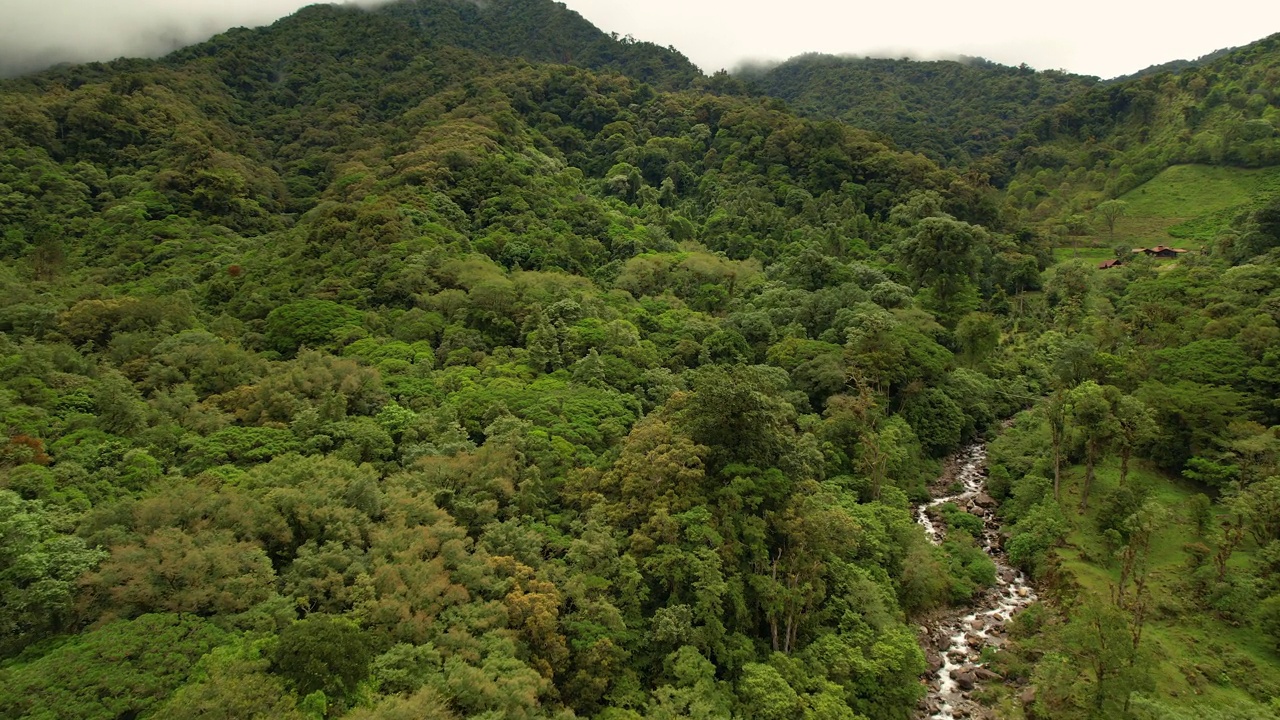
(35, 34)
(1097, 37)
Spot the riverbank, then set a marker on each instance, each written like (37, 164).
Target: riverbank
(954, 642)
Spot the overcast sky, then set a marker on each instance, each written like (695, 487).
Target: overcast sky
(1094, 37)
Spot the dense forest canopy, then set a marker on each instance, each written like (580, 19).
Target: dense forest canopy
(1173, 66)
(457, 360)
(957, 112)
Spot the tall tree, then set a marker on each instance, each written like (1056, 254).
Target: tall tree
(1110, 211)
(1134, 426)
(1094, 423)
(942, 252)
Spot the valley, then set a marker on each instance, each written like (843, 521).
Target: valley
(460, 360)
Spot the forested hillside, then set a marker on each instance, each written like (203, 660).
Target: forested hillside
(1172, 66)
(1108, 141)
(1142, 490)
(957, 112)
(396, 378)
(456, 360)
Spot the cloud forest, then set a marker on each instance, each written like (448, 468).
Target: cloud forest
(451, 360)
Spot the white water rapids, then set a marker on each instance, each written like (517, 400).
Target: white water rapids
(958, 640)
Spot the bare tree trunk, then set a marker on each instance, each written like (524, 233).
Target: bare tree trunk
(773, 617)
(1057, 471)
(1057, 428)
(1091, 457)
(791, 619)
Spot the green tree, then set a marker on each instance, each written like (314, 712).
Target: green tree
(1110, 211)
(1055, 412)
(1260, 505)
(310, 323)
(942, 252)
(39, 569)
(937, 420)
(1090, 408)
(323, 654)
(124, 669)
(1134, 427)
(233, 682)
(206, 573)
(1101, 666)
(978, 335)
(765, 695)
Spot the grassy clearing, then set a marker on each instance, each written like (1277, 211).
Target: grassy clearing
(1197, 655)
(1185, 205)
(1090, 254)
(1188, 191)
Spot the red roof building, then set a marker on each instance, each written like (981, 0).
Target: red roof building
(1160, 251)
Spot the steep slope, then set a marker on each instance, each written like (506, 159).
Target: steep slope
(312, 78)
(1106, 142)
(350, 374)
(384, 377)
(956, 112)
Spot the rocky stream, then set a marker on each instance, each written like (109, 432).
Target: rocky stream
(953, 643)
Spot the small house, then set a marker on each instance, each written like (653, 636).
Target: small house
(1160, 251)
(1108, 264)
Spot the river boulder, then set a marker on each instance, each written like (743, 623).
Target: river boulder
(986, 675)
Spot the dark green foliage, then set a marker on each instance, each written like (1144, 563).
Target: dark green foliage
(458, 359)
(124, 669)
(325, 654)
(970, 569)
(1116, 506)
(936, 419)
(952, 111)
(958, 520)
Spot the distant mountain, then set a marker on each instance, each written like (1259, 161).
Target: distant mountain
(321, 37)
(953, 111)
(1173, 66)
(330, 65)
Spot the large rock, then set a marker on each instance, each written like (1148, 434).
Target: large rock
(966, 681)
(1029, 695)
(986, 675)
(984, 500)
